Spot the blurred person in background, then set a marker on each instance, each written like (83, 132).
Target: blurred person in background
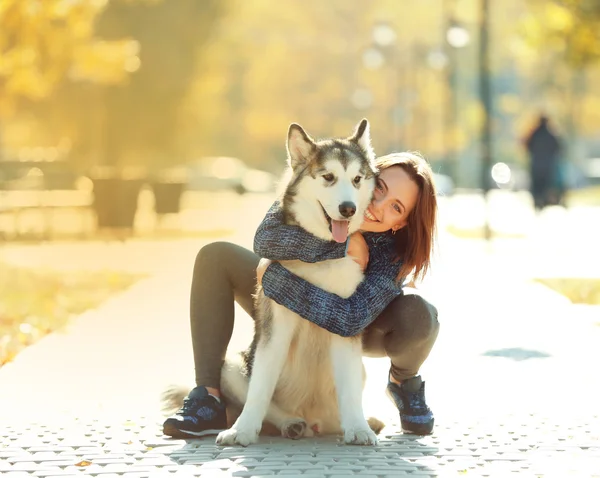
(543, 146)
(395, 243)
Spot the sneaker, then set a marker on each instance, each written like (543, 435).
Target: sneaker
(415, 415)
(201, 414)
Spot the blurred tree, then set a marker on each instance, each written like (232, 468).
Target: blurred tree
(565, 34)
(44, 42)
(78, 57)
(142, 118)
(206, 83)
(568, 27)
(273, 63)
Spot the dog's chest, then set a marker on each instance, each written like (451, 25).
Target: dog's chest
(338, 276)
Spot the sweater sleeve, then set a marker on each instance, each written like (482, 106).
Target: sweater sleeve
(345, 317)
(278, 241)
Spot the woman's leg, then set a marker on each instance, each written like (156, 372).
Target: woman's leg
(405, 332)
(223, 272)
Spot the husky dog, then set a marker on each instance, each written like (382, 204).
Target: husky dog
(297, 376)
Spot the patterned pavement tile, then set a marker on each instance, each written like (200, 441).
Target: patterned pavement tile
(527, 445)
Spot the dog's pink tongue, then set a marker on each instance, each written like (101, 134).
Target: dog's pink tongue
(339, 229)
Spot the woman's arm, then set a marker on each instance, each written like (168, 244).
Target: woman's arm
(278, 241)
(345, 317)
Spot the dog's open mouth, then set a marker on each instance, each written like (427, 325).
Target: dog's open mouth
(339, 229)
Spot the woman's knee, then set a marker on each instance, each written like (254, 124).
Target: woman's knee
(212, 256)
(415, 317)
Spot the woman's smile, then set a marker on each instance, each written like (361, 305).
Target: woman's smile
(369, 216)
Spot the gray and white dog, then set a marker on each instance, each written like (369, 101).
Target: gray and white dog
(297, 376)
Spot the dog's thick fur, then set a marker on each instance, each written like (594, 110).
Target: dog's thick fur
(297, 376)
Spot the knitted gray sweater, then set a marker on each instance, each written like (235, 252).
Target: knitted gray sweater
(346, 317)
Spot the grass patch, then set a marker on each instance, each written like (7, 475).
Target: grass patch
(588, 196)
(479, 233)
(577, 290)
(34, 303)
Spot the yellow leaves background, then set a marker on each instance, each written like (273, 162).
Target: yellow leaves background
(160, 83)
(37, 302)
(41, 42)
(568, 27)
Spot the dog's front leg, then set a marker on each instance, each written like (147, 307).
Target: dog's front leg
(271, 354)
(234, 387)
(346, 357)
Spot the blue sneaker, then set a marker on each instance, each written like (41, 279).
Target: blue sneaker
(415, 415)
(201, 414)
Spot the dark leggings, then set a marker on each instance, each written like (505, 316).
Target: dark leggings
(405, 331)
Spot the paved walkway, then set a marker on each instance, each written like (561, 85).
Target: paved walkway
(512, 381)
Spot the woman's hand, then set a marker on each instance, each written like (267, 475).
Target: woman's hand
(261, 268)
(359, 250)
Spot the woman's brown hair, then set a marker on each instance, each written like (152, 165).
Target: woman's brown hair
(414, 242)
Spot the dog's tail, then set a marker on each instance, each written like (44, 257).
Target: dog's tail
(375, 424)
(172, 398)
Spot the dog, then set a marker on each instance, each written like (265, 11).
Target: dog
(296, 376)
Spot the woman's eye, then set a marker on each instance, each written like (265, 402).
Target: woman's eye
(397, 208)
(328, 177)
(356, 180)
(379, 186)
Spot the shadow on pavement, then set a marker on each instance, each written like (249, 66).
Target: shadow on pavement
(395, 453)
(518, 354)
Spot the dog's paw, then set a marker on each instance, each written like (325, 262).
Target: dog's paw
(293, 428)
(315, 428)
(235, 436)
(375, 424)
(360, 436)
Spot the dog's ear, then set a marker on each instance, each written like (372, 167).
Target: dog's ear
(300, 146)
(362, 137)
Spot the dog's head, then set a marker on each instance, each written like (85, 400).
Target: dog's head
(332, 181)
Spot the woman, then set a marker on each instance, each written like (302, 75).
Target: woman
(544, 146)
(395, 241)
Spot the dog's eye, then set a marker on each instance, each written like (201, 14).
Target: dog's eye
(356, 180)
(328, 177)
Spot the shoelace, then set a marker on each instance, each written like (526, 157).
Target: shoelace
(190, 406)
(416, 400)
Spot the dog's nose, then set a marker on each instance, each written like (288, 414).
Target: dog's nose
(347, 209)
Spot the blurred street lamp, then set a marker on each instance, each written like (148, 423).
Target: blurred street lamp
(375, 57)
(362, 98)
(437, 60)
(485, 93)
(501, 174)
(457, 37)
(404, 82)
(384, 35)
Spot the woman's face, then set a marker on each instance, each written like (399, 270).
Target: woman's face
(394, 198)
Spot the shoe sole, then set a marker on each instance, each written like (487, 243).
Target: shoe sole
(409, 432)
(422, 433)
(173, 432)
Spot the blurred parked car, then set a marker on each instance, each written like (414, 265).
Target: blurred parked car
(512, 177)
(226, 173)
(592, 171)
(444, 184)
(37, 175)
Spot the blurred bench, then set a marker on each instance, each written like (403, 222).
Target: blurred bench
(14, 204)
